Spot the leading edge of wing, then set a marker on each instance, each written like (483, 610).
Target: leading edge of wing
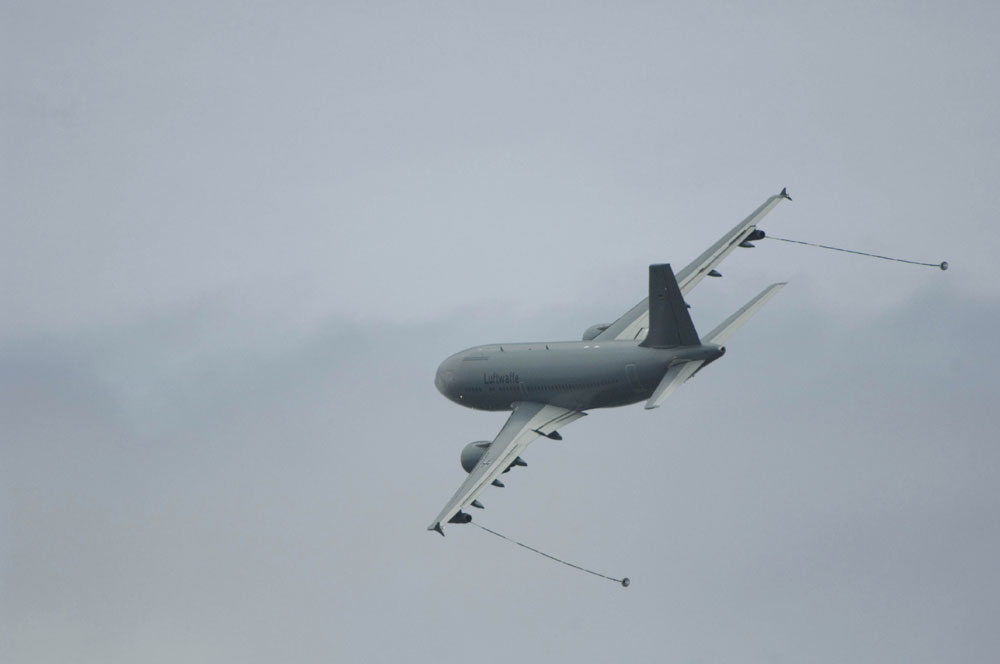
(634, 322)
(528, 421)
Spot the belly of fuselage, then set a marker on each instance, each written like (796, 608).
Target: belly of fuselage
(575, 375)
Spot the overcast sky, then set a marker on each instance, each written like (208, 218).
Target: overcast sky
(238, 238)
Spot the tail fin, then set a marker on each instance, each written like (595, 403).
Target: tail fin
(669, 321)
(725, 330)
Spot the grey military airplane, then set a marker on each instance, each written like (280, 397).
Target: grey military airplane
(643, 356)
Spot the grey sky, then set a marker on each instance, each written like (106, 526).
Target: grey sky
(238, 238)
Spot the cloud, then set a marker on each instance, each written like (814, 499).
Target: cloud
(238, 241)
(277, 493)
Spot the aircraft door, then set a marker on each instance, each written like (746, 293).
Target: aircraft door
(633, 378)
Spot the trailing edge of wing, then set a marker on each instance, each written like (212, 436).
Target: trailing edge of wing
(725, 329)
(635, 322)
(528, 421)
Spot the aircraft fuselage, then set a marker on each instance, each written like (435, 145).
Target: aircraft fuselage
(578, 375)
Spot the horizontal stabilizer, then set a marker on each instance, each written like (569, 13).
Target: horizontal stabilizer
(725, 330)
(674, 378)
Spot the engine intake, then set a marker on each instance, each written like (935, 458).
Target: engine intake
(472, 453)
(594, 330)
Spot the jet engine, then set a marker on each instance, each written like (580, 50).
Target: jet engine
(472, 453)
(594, 330)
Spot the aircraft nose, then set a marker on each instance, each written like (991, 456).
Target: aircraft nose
(439, 379)
(445, 377)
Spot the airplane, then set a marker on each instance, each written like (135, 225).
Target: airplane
(643, 356)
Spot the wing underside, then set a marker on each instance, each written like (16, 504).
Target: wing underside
(634, 324)
(528, 421)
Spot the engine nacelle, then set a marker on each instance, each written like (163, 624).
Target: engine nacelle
(472, 453)
(594, 330)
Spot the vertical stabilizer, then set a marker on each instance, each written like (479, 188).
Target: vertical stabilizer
(669, 321)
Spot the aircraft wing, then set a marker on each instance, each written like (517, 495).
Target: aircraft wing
(635, 322)
(528, 421)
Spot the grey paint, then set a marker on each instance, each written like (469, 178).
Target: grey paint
(581, 375)
(670, 321)
(578, 375)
